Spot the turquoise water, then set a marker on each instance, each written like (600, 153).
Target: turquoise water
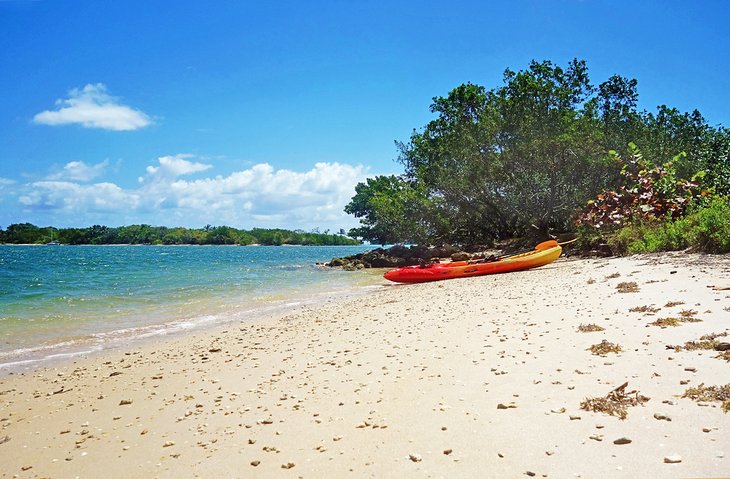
(64, 300)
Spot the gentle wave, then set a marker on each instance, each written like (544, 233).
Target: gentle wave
(65, 302)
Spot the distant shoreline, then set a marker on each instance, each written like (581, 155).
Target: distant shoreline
(143, 234)
(188, 244)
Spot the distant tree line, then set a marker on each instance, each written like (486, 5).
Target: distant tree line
(526, 158)
(26, 233)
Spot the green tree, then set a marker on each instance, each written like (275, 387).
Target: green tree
(23, 233)
(617, 99)
(498, 163)
(669, 132)
(390, 210)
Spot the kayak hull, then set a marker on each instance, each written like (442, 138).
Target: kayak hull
(463, 269)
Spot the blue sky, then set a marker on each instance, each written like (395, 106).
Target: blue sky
(267, 114)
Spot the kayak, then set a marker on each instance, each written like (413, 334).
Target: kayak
(543, 254)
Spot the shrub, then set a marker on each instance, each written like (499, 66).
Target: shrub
(708, 229)
(704, 229)
(648, 192)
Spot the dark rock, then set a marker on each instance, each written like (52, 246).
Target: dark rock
(398, 256)
(477, 248)
(460, 256)
(443, 251)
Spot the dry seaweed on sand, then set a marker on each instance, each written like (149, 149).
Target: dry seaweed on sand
(664, 322)
(672, 304)
(615, 403)
(695, 345)
(707, 341)
(605, 347)
(711, 336)
(691, 319)
(614, 275)
(644, 309)
(689, 316)
(704, 393)
(724, 355)
(590, 328)
(628, 287)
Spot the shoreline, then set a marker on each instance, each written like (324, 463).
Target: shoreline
(63, 350)
(478, 377)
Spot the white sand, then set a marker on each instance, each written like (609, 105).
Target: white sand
(402, 383)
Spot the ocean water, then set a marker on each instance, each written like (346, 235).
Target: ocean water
(58, 301)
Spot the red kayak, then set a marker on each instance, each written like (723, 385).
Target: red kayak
(543, 254)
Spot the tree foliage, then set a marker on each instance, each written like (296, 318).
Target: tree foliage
(525, 156)
(391, 211)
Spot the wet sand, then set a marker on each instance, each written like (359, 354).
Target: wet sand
(481, 377)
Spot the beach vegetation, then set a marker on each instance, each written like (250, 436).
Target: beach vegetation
(705, 228)
(615, 403)
(647, 191)
(27, 233)
(549, 152)
(656, 210)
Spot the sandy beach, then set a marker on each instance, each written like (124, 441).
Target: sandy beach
(481, 377)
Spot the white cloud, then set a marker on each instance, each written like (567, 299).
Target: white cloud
(73, 199)
(93, 107)
(6, 182)
(174, 166)
(260, 196)
(80, 171)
